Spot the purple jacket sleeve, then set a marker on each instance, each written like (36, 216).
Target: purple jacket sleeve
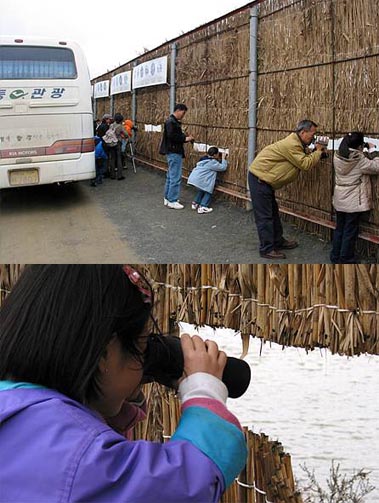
(115, 470)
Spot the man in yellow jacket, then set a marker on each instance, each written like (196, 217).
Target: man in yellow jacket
(274, 167)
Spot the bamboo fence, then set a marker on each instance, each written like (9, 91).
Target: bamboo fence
(300, 305)
(316, 59)
(267, 476)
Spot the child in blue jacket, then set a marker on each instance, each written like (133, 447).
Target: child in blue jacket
(100, 160)
(203, 177)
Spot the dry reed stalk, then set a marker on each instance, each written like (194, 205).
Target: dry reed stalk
(9, 274)
(261, 284)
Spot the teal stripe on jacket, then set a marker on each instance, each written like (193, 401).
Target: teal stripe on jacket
(7, 385)
(218, 439)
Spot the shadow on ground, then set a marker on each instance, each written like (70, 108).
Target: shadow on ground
(161, 235)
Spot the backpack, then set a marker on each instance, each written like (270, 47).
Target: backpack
(110, 137)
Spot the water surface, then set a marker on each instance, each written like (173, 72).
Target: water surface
(319, 406)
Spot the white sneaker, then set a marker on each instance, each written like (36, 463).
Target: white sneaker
(204, 209)
(175, 206)
(195, 206)
(165, 201)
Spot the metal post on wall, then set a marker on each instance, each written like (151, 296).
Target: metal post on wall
(112, 99)
(94, 108)
(134, 105)
(172, 78)
(253, 81)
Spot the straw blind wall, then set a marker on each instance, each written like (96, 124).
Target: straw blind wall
(316, 59)
(310, 305)
(268, 475)
(302, 305)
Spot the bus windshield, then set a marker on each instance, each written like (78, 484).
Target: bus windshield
(28, 63)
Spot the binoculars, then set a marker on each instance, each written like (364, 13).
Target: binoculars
(164, 363)
(322, 140)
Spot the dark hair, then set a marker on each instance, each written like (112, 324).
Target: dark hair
(351, 140)
(58, 319)
(118, 118)
(305, 125)
(212, 151)
(180, 106)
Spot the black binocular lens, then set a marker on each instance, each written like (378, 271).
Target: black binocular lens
(164, 364)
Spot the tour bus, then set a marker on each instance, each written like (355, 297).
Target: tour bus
(46, 120)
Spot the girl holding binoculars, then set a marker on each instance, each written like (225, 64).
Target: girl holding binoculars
(72, 344)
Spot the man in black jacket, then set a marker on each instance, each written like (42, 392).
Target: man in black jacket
(173, 147)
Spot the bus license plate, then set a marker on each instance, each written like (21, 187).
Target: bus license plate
(24, 177)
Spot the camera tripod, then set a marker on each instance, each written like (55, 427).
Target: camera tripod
(131, 154)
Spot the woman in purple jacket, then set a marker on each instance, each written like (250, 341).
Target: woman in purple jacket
(72, 343)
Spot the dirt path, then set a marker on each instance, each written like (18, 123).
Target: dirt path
(58, 225)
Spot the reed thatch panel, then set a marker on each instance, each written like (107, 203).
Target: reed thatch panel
(152, 108)
(195, 97)
(227, 103)
(218, 51)
(356, 29)
(285, 98)
(357, 96)
(269, 7)
(308, 305)
(232, 22)
(103, 106)
(153, 104)
(191, 63)
(145, 146)
(296, 36)
(123, 104)
(319, 198)
(217, 115)
(228, 53)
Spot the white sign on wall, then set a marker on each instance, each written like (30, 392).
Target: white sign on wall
(101, 89)
(121, 83)
(150, 73)
(150, 128)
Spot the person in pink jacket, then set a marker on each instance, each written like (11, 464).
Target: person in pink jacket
(352, 194)
(73, 340)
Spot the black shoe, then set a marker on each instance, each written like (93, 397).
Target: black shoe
(288, 245)
(273, 255)
(121, 178)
